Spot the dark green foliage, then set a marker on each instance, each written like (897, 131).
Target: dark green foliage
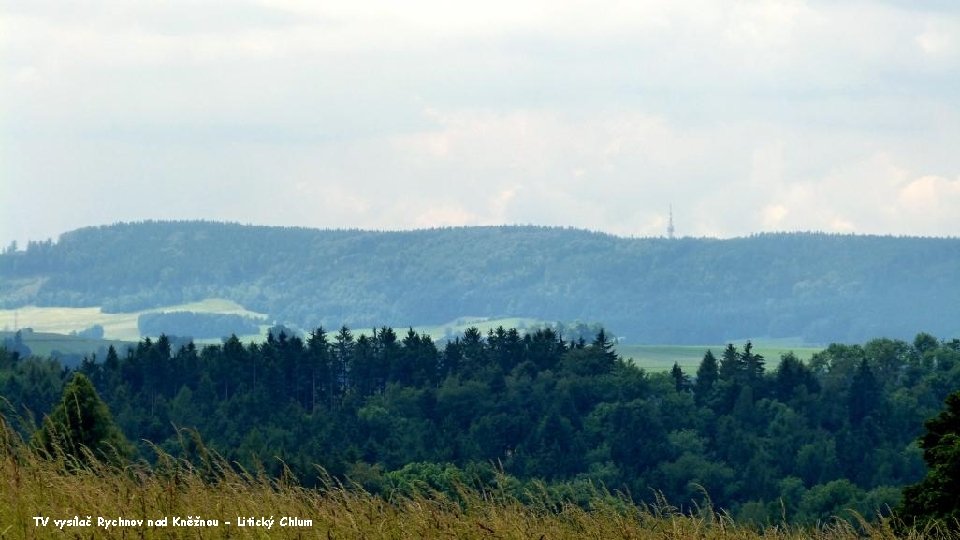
(793, 379)
(753, 366)
(94, 332)
(819, 287)
(864, 394)
(707, 375)
(680, 380)
(809, 441)
(81, 421)
(15, 346)
(196, 325)
(937, 497)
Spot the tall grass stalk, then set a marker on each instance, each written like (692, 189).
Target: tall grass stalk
(59, 486)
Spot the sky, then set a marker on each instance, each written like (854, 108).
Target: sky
(745, 116)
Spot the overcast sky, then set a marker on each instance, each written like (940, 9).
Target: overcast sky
(746, 116)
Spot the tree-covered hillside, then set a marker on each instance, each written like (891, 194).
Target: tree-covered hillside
(818, 287)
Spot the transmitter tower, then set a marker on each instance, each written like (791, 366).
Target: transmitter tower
(671, 232)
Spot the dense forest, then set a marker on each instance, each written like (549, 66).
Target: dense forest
(195, 325)
(397, 412)
(818, 287)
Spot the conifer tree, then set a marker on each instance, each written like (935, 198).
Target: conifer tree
(604, 344)
(752, 364)
(731, 379)
(707, 375)
(864, 393)
(680, 380)
(731, 366)
(82, 420)
(790, 375)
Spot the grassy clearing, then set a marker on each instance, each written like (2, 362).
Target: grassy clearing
(45, 343)
(119, 327)
(116, 326)
(662, 357)
(60, 488)
(123, 326)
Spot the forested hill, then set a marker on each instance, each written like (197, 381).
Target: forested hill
(819, 287)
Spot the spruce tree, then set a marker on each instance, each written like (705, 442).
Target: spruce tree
(82, 420)
(707, 375)
(865, 394)
(731, 365)
(753, 365)
(605, 345)
(681, 381)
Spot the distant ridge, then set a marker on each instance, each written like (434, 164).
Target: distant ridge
(816, 286)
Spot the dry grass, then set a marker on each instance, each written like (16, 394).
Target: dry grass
(60, 487)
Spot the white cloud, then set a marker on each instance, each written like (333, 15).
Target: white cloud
(443, 215)
(773, 215)
(931, 198)
(746, 115)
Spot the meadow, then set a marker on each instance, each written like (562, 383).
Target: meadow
(87, 499)
(661, 357)
(52, 327)
(123, 326)
(47, 344)
(116, 326)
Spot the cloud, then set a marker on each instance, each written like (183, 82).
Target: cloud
(773, 215)
(874, 195)
(745, 115)
(931, 199)
(443, 216)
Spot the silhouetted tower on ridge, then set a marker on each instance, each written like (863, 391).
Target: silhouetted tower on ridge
(670, 230)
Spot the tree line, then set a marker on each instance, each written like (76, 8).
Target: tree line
(392, 411)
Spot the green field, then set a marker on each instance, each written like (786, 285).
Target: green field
(52, 326)
(47, 343)
(123, 326)
(662, 357)
(47, 329)
(648, 357)
(116, 326)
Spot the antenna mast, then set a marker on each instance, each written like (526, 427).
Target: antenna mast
(670, 229)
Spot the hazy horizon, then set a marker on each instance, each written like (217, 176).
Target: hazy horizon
(56, 238)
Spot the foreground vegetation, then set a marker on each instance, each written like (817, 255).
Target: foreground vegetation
(59, 486)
